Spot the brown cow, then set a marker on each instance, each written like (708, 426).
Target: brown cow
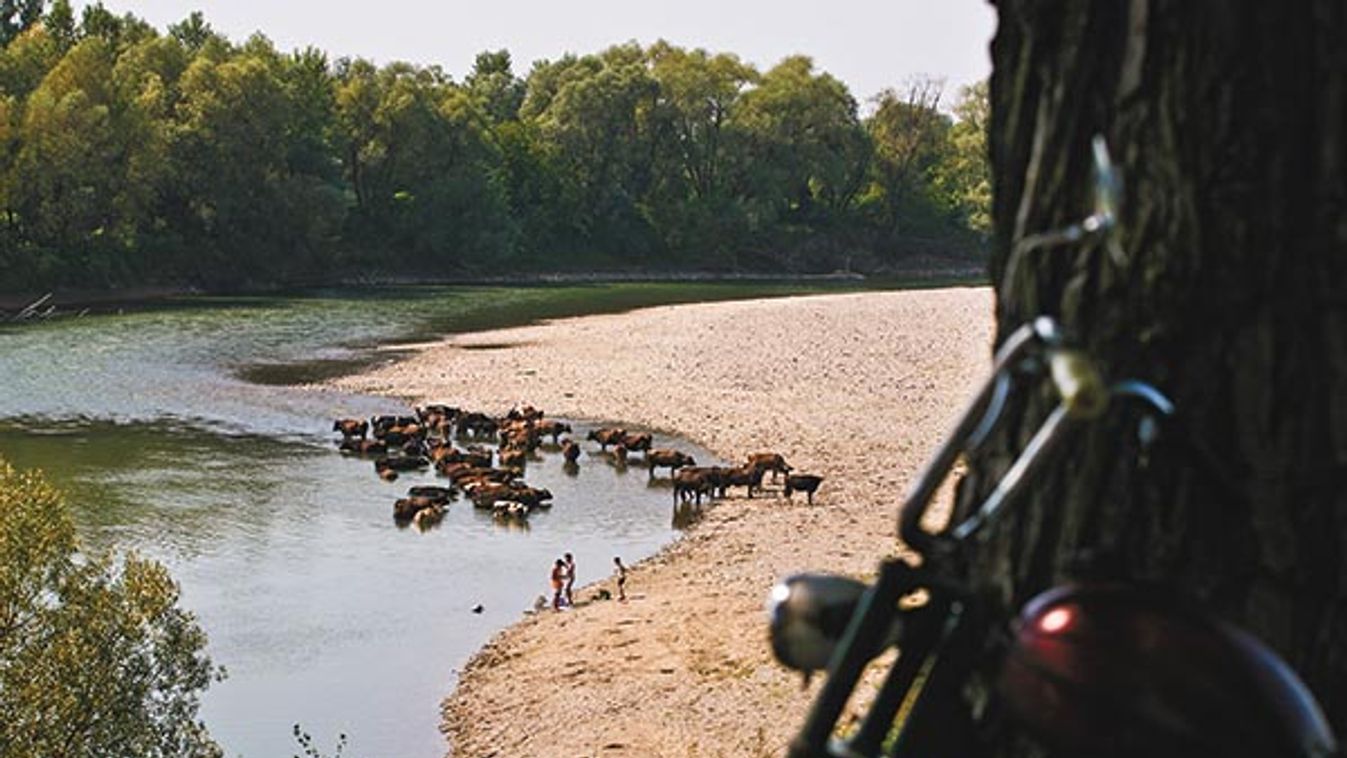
(607, 436)
(516, 457)
(437, 415)
(769, 462)
(671, 459)
(405, 508)
(692, 480)
(443, 456)
(742, 476)
(484, 494)
(641, 441)
(428, 517)
(552, 428)
(465, 476)
(526, 413)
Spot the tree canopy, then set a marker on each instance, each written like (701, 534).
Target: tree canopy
(130, 156)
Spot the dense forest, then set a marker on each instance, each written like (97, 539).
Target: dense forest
(134, 157)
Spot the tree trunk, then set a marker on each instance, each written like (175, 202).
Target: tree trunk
(1229, 124)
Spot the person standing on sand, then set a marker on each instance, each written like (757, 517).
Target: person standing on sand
(621, 572)
(570, 578)
(558, 581)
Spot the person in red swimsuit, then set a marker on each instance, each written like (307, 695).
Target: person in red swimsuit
(558, 582)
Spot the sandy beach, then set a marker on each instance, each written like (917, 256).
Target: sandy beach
(858, 388)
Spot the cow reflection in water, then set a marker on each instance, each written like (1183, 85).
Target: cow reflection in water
(511, 524)
(685, 514)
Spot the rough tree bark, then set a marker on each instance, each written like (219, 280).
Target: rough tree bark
(1229, 123)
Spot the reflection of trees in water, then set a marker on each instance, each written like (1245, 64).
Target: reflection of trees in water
(163, 477)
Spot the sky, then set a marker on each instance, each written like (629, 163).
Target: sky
(868, 44)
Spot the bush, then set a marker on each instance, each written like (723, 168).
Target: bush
(96, 658)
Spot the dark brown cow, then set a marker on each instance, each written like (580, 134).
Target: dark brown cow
(692, 480)
(570, 451)
(363, 446)
(477, 425)
(400, 462)
(438, 494)
(806, 483)
(351, 427)
(381, 424)
(533, 497)
(769, 462)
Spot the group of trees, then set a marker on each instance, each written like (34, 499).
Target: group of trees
(133, 156)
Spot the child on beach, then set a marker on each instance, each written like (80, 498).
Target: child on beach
(621, 572)
(558, 582)
(570, 578)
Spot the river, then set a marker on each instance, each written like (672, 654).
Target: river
(174, 433)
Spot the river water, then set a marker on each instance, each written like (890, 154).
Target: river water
(173, 434)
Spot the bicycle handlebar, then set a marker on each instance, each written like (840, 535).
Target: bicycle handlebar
(1083, 396)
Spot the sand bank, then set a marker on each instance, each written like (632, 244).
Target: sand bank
(858, 388)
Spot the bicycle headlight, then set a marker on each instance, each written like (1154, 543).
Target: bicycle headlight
(808, 613)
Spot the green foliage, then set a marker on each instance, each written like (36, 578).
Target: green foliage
(96, 658)
(928, 177)
(193, 32)
(16, 16)
(132, 157)
(965, 174)
(494, 87)
(60, 23)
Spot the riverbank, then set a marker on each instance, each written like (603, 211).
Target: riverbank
(856, 387)
(922, 272)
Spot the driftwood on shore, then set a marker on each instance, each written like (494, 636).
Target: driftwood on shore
(34, 310)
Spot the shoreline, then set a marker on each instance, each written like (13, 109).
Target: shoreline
(857, 387)
(70, 301)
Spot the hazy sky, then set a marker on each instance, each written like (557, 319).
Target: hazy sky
(868, 44)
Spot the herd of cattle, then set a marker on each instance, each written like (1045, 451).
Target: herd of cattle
(488, 469)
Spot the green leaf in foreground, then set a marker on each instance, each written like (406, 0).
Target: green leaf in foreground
(96, 657)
